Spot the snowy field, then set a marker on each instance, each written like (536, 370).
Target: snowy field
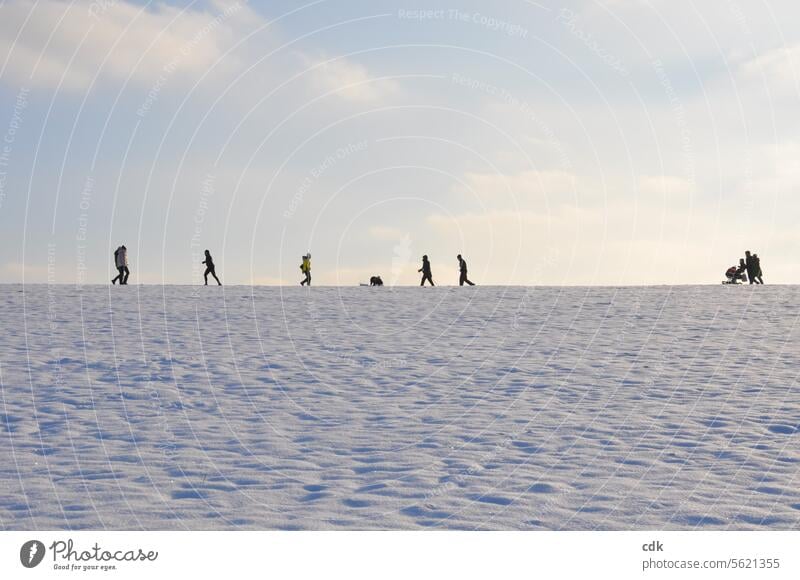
(401, 408)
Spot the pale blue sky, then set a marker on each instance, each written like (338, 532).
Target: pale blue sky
(619, 142)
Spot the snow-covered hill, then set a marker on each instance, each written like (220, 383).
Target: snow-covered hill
(370, 408)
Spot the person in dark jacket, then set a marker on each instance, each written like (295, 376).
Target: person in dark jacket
(462, 268)
(210, 269)
(120, 273)
(757, 268)
(121, 262)
(426, 271)
(751, 267)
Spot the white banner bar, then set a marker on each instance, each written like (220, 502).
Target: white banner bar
(388, 555)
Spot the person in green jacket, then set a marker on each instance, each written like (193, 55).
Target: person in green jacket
(305, 268)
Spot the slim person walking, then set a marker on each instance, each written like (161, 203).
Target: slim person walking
(462, 268)
(426, 271)
(209, 262)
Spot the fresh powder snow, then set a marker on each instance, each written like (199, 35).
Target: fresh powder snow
(185, 407)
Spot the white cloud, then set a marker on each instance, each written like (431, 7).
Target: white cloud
(32, 273)
(387, 234)
(114, 40)
(665, 186)
(618, 244)
(88, 41)
(778, 68)
(523, 189)
(349, 80)
(621, 234)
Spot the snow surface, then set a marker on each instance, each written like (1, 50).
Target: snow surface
(369, 408)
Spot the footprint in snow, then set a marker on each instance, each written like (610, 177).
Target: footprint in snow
(493, 499)
(356, 503)
(783, 429)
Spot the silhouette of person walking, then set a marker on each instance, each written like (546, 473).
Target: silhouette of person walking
(209, 262)
(116, 265)
(462, 268)
(757, 269)
(426, 271)
(305, 268)
(121, 262)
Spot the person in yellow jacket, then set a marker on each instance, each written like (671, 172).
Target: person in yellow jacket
(305, 268)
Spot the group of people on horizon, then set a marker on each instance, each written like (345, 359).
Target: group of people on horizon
(428, 276)
(121, 264)
(748, 270)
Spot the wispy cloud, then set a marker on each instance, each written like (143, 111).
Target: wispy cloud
(779, 69)
(387, 233)
(349, 80)
(48, 43)
(667, 186)
(28, 272)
